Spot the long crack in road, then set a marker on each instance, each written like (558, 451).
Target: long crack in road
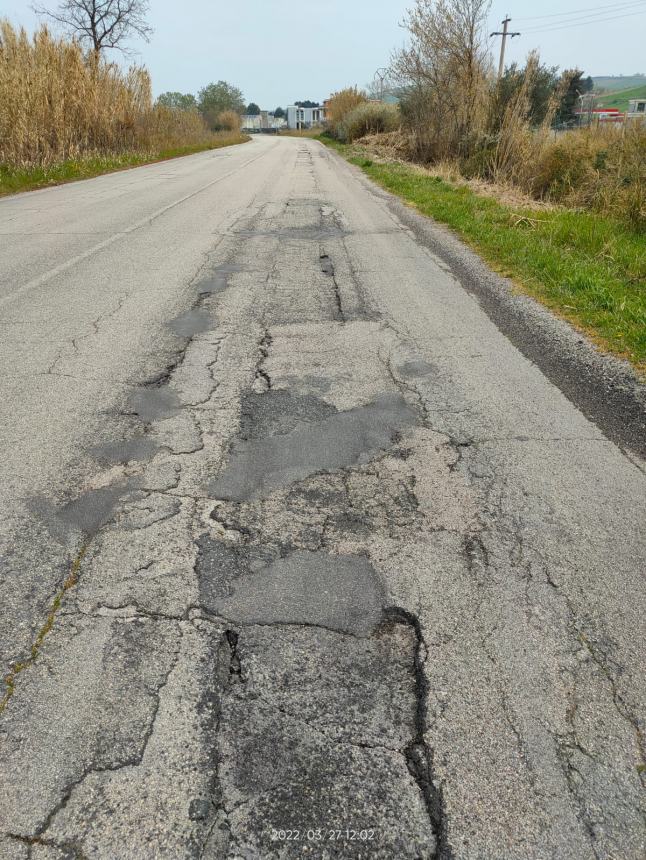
(344, 575)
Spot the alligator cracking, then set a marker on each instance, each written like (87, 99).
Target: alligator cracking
(69, 582)
(196, 319)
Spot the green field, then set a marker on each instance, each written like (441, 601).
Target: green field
(620, 99)
(616, 83)
(589, 269)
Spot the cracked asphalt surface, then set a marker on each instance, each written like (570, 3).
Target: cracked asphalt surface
(305, 551)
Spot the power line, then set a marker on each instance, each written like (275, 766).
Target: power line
(598, 16)
(582, 22)
(614, 7)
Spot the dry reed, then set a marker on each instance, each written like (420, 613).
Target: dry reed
(228, 120)
(59, 103)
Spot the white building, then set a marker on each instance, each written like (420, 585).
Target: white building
(263, 121)
(636, 109)
(251, 122)
(305, 117)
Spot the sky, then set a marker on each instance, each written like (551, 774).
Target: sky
(280, 51)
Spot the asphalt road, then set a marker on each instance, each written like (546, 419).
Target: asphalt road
(305, 551)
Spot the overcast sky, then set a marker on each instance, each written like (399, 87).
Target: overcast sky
(279, 51)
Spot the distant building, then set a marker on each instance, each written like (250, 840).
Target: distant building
(250, 122)
(636, 109)
(262, 122)
(305, 117)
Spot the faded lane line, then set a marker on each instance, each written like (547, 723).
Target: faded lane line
(148, 219)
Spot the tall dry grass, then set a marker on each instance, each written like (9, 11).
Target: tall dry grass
(163, 128)
(600, 167)
(59, 103)
(514, 142)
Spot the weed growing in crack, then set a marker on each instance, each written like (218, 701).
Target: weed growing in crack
(69, 582)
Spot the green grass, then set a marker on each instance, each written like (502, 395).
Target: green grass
(621, 98)
(14, 179)
(590, 269)
(302, 132)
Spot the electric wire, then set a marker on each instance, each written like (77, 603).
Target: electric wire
(614, 7)
(582, 22)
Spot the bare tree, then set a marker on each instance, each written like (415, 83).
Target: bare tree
(445, 67)
(101, 24)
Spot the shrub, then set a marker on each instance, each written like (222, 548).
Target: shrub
(368, 118)
(565, 165)
(228, 120)
(478, 164)
(340, 105)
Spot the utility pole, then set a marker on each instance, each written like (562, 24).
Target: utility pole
(381, 75)
(504, 33)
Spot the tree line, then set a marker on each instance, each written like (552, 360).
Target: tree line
(212, 101)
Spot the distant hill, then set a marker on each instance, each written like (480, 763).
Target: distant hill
(620, 99)
(618, 82)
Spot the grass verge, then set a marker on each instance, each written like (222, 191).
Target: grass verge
(300, 132)
(589, 269)
(14, 179)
